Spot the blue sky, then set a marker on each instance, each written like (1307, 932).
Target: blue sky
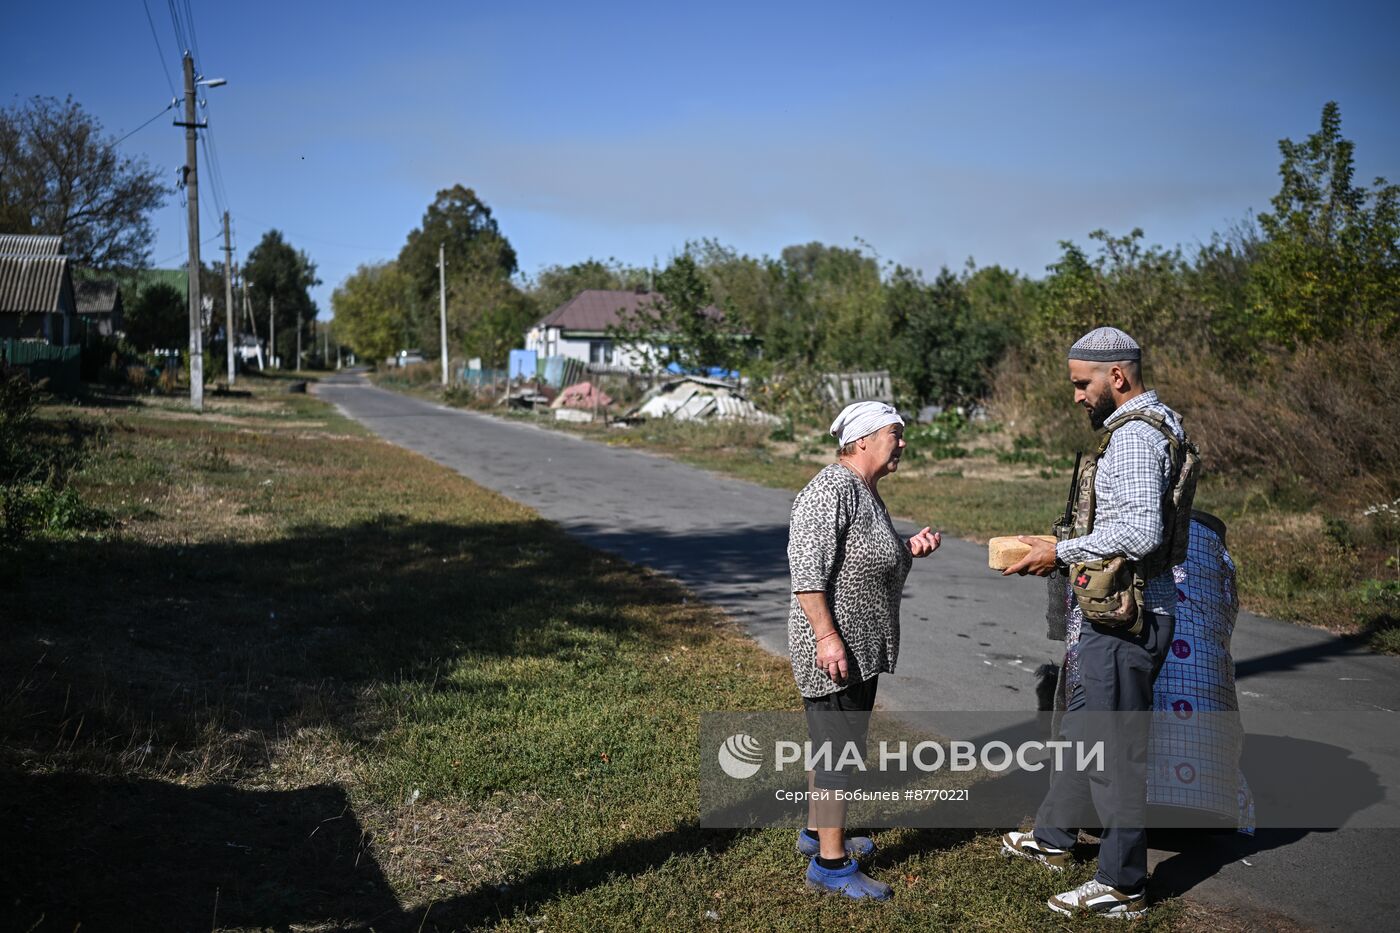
(932, 131)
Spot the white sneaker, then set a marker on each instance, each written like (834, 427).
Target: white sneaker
(1025, 845)
(1095, 897)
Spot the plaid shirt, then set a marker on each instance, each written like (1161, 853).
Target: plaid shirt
(1133, 475)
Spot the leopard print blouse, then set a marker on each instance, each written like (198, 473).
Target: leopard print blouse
(841, 542)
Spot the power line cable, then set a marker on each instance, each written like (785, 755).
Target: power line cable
(194, 35)
(211, 155)
(159, 51)
(175, 23)
(214, 185)
(184, 252)
(147, 123)
(315, 239)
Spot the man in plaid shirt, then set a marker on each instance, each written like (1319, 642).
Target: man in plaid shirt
(1109, 670)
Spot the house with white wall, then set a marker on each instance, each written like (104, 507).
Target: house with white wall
(578, 329)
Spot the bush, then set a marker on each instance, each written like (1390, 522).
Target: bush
(45, 508)
(1385, 522)
(1026, 450)
(33, 490)
(1323, 417)
(1325, 414)
(799, 396)
(19, 400)
(937, 440)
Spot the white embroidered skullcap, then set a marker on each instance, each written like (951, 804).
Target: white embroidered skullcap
(861, 418)
(1105, 345)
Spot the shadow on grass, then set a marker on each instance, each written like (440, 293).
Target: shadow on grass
(121, 662)
(120, 853)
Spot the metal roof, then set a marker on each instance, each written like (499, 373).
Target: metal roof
(32, 283)
(597, 309)
(26, 244)
(96, 296)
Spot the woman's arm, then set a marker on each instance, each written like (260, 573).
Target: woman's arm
(831, 651)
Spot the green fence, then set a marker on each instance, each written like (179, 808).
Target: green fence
(61, 366)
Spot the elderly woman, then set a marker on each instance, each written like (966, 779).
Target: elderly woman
(848, 567)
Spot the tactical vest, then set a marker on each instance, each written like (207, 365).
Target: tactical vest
(1109, 591)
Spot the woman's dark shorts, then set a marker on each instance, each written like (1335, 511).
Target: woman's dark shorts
(840, 718)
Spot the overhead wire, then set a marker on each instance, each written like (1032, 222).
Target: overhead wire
(188, 34)
(175, 24)
(189, 27)
(168, 107)
(187, 37)
(315, 239)
(212, 178)
(185, 252)
(216, 169)
(160, 53)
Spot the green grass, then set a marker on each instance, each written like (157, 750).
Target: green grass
(308, 680)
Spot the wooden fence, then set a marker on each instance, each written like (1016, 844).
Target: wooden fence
(61, 366)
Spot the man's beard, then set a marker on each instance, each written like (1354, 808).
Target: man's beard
(1100, 411)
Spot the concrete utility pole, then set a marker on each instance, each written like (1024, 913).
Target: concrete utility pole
(192, 199)
(272, 331)
(228, 300)
(442, 309)
(299, 326)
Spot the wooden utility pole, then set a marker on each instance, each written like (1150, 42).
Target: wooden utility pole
(192, 200)
(228, 300)
(272, 331)
(442, 309)
(299, 327)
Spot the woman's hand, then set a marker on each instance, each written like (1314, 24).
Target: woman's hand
(925, 543)
(831, 656)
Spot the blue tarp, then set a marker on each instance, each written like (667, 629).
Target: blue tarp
(523, 364)
(714, 372)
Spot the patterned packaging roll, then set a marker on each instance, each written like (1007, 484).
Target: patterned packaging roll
(1194, 763)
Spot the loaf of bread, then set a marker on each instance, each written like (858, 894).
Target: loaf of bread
(1004, 552)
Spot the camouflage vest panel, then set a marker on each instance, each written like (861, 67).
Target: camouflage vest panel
(1185, 467)
(1082, 521)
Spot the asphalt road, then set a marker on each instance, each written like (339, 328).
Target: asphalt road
(970, 638)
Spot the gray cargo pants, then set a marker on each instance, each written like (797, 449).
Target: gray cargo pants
(1116, 674)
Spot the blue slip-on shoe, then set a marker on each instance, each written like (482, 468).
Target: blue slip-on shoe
(849, 880)
(856, 846)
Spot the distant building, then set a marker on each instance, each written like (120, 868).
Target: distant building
(579, 329)
(100, 306)
(37, 300)
(248, 349)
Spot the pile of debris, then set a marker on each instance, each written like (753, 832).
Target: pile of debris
(580, 402)
(698, 398)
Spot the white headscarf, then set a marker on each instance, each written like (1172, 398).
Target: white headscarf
(861, 418)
